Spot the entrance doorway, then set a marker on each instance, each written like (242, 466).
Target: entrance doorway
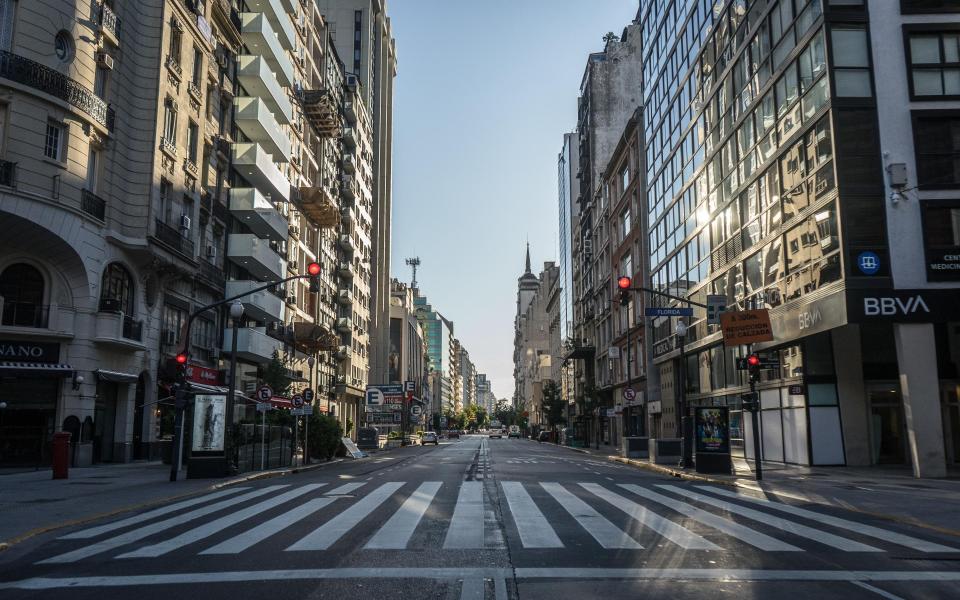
(951, 421)
(887, 424)
(104, 421)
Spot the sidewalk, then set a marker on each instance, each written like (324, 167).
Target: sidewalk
(31, 502)
(887, 492)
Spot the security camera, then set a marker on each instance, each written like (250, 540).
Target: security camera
(895, 197)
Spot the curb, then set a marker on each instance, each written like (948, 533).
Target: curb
(901, 520)
(7, 544)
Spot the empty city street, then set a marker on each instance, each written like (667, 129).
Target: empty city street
(483, 518)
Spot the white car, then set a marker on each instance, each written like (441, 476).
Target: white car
(430, 437)
(496, 433)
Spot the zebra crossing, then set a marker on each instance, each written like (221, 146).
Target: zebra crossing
(386, 516)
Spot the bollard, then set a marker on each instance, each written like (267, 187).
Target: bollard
(61, 454)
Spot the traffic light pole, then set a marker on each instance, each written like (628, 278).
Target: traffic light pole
(755, 421)
(183, 388)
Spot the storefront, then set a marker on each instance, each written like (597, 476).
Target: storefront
(31, 379)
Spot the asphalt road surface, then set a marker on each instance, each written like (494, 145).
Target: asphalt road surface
(478, 518)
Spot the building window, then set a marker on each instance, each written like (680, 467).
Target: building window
(21, 287)
(176, 37)
(937, 144)
(170, 122)
(935, 64)
(941, 236)
(851, 61)
(100, 82)
(165, 211)
(7, 8)
(193, 135)
(921, 6)
(173, 318)
(93, 166)
(116, 290)
(197, 67)
(63, 46)
(53, 145)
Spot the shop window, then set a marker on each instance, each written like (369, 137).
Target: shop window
(941, 235)
(116, 290)
(22, 290)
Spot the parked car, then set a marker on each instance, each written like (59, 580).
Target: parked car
(430, 437)
(514, 432)
(453, 433)
(496, 433)
(543, 437)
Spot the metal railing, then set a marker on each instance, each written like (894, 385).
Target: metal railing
(25, 314)
(42, 78)
(8, 173)
(212, 273)
(93, 204)
(109, 20)
(132, 329)
(172, 237)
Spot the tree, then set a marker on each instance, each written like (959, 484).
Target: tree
(325, 435)
(610, 37)
(275, 375)
(552, 403)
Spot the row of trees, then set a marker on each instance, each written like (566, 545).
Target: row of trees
(471, 417)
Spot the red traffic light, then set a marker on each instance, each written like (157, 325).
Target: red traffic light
(753, 360)
(181, 359)
(313, 268)
(624, 283)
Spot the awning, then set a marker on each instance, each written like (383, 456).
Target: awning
(27, 368)
(116, 376)
(213, 389)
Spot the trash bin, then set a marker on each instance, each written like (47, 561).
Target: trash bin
(61, 454)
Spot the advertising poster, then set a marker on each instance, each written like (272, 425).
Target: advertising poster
(209, 412)
(713, 429)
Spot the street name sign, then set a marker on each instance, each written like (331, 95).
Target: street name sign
(746, 327)
(306, 410)
(668, 311)
(264, 407)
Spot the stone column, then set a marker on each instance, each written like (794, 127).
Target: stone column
(852, 395)
(920, 387)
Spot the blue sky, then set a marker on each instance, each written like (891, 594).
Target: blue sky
(484, 92)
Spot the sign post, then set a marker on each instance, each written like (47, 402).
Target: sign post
(308, 399)
(297, 401)
(263, 407)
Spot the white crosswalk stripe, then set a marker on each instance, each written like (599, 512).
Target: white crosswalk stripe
(245, 540)
(797, 529)
(144, 532)
(217, 525)
(677, 534)
(345, 489)
(731, 528)
(861, 528)
(466, 526)
(606, 533)
(533, 527)
(396, 533)
(331, 531)
(152, 514)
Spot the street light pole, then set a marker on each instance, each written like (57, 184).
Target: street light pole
(306, 434)
(686, 460)
(236, 313)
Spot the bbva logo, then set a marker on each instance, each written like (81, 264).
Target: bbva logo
(892, 306)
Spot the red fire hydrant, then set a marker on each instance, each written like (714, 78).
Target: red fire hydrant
(61, 454)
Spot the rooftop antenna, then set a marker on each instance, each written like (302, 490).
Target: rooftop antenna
(414, 263)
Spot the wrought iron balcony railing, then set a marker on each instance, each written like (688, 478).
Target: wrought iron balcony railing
(42, 78)
(93, 204)
(109, 20)
(171, 237)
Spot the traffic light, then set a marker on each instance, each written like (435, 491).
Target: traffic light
(313, 269)
(753, 365)
(181, 369)
(624, 284)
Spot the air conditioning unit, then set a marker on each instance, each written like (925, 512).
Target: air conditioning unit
(211, 251)
(184, 222)
(169, 337)
(104, 60)
(587, 245)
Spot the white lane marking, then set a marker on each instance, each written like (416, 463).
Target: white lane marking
(472, 589)
(876, 590)
(144, 532)
(327, 534)
(680, 536)
(606, 533)
(533, 527)
(499, 588)
(466, 526)
(95, 531)
(456, 573)
(207, 529)
(861, 528)
(396, 533)
(344, 489)
(731, 528)
(248, 538)
(773, 521)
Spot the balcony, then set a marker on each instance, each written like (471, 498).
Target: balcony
(256, 212)
(253, 344)
(257, 78)
(119, 330)
(212, 274)
(344, 270)
(344, 325)
(262, 306)
(173, 238)
(349, 164)
(256, 122)
(350, 111)
(318, 206)
(342, 353)
(349, 137)
(44, 79)
(41, 320)
(256, 256)
(348, 190)
(279, 21)
(345, 241)
(345, 297)
(93, 204)
(8, 173)
(109, 25)
(320, 108)
(256, 165)
(346, 218)
(259, 36)
(311, 337)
